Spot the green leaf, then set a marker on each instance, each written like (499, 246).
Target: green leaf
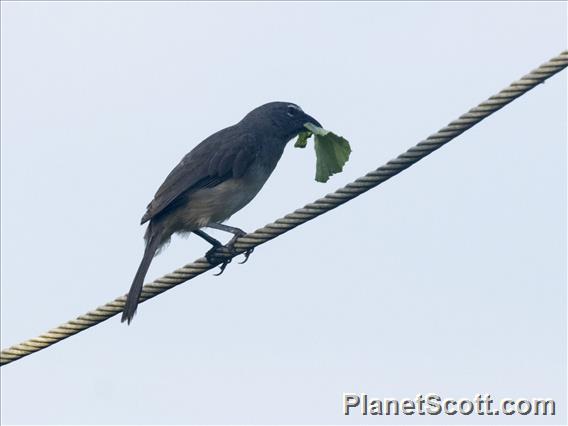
(303, 139)
(332, 152)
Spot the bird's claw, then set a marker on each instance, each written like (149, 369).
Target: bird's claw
(234, 240)
(247, 254)
(220, 255)
(222, 267)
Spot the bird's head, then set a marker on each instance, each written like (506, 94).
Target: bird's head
(283, 119)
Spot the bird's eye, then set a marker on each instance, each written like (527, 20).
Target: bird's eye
(292, 111)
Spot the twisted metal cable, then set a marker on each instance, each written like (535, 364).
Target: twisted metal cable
(300, 216)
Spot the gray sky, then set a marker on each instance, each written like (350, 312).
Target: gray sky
(450, 278)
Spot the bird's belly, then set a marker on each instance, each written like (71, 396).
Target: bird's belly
(217, 204)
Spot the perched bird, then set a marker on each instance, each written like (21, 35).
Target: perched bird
(215, 180)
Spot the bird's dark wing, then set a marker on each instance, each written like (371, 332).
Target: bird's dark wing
(223, 155)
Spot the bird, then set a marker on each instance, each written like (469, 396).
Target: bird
(217, 178)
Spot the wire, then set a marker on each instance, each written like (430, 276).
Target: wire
(302, 215)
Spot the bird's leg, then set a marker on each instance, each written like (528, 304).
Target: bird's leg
(212, 255)
(237, 233)
(208, 238)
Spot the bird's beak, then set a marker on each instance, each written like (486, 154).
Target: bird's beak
(310, 119)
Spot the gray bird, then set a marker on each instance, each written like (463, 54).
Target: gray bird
(216, 179)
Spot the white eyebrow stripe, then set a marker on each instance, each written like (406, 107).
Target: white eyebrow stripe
(296, 107)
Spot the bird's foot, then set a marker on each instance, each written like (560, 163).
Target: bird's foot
(221, 255)
(231, 244)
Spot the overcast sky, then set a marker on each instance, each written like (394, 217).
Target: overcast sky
(450, 278)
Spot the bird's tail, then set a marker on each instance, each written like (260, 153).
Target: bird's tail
(132, 300)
